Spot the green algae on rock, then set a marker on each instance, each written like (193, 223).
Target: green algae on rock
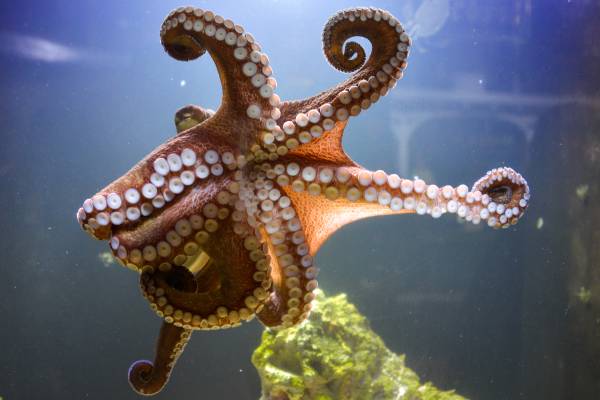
(335, 355)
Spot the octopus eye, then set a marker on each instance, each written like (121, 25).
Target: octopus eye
(501, 194)
(190, 116)
(180, 278)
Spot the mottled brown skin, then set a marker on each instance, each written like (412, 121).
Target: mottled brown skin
(226, 280)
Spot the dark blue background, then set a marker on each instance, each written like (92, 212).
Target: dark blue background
(454, 298)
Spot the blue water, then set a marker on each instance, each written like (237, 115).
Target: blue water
(87, 91)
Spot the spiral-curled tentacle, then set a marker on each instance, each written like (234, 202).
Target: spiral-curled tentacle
(246, 76)
(346, 57)
(306, 120)
(342, 55)
(382, 29)
(148, 377)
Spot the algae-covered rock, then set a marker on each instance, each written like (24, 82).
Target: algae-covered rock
(335, 355)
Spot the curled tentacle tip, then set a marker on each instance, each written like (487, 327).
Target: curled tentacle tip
(141, 378)
(182, 47)
(180, 39)
(355, 56)
(507, 193)
(344, 56)
(386, 34)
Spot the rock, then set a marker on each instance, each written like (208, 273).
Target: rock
(335, 355)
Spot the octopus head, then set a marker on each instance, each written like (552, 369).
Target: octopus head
(191, 115)
(505, 193)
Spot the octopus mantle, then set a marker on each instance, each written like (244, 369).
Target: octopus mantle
(223, 220)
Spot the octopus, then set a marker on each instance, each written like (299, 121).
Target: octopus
(222, 222)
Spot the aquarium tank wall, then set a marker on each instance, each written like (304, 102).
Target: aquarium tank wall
(408, 306)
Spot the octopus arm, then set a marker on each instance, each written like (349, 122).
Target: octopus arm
(370, 80)
(147, 377)
(219, 281)
(216, 274)
(328, 190)
(297, 226)
(183, 165)
(248, 100)
(326, 197)
(291, 269)
(287, 217)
